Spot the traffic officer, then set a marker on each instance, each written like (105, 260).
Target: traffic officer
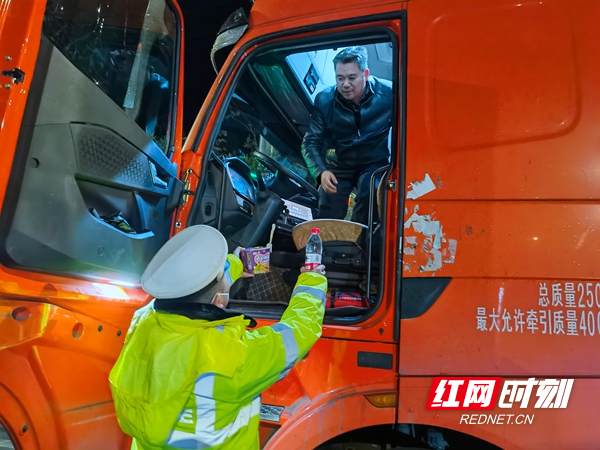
(190, 373)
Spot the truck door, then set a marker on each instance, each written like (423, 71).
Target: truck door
(89, 159)
(245, 165)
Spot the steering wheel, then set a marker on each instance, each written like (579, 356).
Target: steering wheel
(276, 166)
(261, 183)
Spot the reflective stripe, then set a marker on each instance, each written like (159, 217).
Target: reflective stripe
(220, 328)
(206, 435)
(315, 292)
(289, 344)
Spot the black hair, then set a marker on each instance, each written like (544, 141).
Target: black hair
(357, 54)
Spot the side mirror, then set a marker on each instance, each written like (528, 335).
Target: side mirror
(230, 32)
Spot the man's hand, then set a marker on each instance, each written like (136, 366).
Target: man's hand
(328, 181)
(319, 269)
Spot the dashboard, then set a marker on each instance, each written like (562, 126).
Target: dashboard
(245, 189)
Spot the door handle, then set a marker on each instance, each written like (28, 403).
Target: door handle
(16, 74)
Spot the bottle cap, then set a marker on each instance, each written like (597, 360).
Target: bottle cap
(315, 230)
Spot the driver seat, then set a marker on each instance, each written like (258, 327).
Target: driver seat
(344, 249)
(333, 231)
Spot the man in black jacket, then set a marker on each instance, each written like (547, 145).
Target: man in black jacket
(348, 136)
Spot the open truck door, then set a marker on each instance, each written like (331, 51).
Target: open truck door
(244, 164)
(91, 107)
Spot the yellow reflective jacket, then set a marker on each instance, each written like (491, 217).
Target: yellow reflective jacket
(182, 383)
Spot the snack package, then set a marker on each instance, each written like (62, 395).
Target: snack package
(256, 260)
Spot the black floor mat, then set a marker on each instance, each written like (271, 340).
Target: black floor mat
(274, 286)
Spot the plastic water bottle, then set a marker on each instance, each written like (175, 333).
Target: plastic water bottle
(314, 250)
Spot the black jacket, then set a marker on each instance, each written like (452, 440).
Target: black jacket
(345, 135)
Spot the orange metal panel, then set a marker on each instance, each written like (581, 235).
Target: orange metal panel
(513, 343)
(274, 13)
(507, 239)
(20, 26)
(503, 99)
(324, 394)
(56, 366)
(503, 199)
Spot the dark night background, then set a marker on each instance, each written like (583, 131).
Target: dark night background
(202, 20)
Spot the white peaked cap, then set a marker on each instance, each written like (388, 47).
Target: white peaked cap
(187, 262)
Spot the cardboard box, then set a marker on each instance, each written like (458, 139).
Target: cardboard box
(256, 260)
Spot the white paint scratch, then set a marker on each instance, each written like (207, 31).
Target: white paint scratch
(411, 243)
(452, 243)
(434, 261)
(438, 250)
(424, 224)
(420, 188)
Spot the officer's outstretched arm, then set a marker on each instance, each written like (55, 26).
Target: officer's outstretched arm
(272, 351)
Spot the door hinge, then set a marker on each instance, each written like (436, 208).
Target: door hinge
(391, 185)
(186, 186)
(16, 74)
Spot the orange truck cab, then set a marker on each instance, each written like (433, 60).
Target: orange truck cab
(483, 262)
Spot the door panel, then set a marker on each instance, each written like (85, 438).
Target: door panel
(96, 138)
(90, 148)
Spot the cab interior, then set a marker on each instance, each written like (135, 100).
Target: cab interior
(256, 189)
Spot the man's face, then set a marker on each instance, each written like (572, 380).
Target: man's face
(351, 81)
